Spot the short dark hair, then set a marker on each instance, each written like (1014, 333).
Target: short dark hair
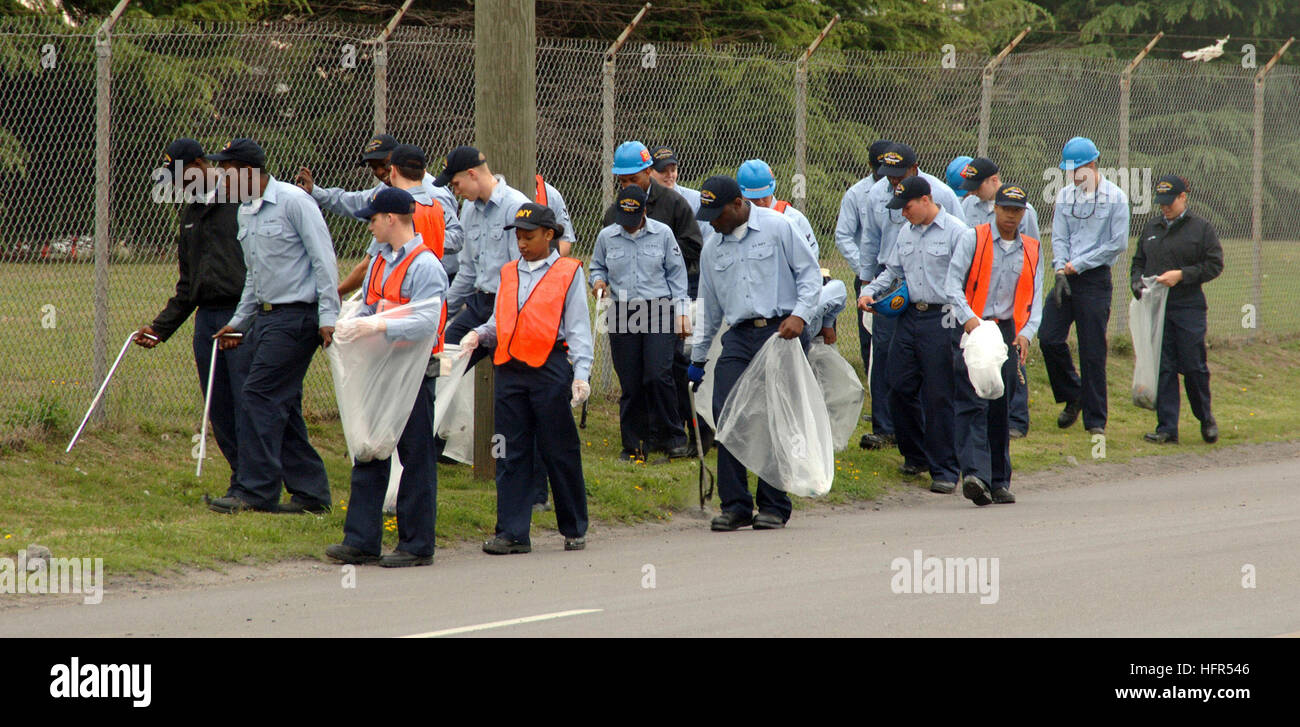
(410, 172)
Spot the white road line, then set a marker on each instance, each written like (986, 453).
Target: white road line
(499, 624)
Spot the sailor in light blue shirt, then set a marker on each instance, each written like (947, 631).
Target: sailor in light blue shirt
(981, 179)
(920, 363)
(833, 298)
(424, 279)
(638, 263)
(1090, 229)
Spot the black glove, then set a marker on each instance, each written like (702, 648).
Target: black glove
(1061, 290)
(1137, 291)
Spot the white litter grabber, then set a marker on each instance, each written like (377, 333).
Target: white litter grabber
(130, 337)
(207, 406)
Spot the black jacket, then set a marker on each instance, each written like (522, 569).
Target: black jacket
(211, 264)
(666, 206)
(1189, 244)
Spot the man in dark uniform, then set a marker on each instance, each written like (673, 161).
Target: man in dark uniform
(632, 164)
(1183, 251)
(211, 280)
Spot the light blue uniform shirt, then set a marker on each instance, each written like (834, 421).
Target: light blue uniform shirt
(804, 228)
(692, 197)
(425, 279)
(849, 225)
(1089, 231)
(833, 297)
(978, 212)
(555, 201)
(488, 244)
(575, 325)
(288, 254)
(920, 256)
(768, 272)
(1008, 262)
(881, 226)
(348, 204)
(641, 266)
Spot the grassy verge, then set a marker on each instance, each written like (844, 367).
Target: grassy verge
(129, 495)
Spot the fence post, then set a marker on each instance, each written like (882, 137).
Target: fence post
(103, 85)
(1125, 91)
(799, 192)
(603, 367)
(986, 93)
(1257, 186)
(381, 69)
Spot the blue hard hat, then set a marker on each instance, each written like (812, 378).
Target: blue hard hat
(892, 302)
(1077, 152)
(756, 179)
(631, 157)
(953, 175)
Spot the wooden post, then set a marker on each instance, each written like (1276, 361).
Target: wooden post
(505, 130)
(381, 69)
(799, 191)
(986, 93)
(1257, 178)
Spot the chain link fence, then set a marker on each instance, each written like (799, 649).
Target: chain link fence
(307, 93)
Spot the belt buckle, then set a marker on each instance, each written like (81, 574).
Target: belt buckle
(760, 322)
(923, 307)
(266, 307)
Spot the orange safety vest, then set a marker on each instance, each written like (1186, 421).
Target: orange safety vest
(780, 206)
(980, 276)
(388, 294)
(540, 197)
(429, 223)
(528, 334)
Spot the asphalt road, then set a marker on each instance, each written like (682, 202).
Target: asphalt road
(1127, 556)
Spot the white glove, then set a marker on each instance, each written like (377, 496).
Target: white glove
(581, 390)
(354, 328)
(468, 344)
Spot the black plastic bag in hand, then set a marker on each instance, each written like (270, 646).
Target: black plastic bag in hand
(1061, 290)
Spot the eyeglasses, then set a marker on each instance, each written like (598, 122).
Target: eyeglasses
(1074, 211)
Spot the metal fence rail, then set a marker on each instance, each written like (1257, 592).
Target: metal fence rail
(310, 94)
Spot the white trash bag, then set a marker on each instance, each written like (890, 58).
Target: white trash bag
(1146, 323)
(775, 421)
(844, 392)
(376, 381)
(453, 417)
(704, 395)
(984, 352)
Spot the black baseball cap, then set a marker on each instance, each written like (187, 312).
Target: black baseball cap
(897, 160)
(457, 161)
(532, 216)
(1010, 195)
(377, 149)
(715, 194)
(389, 199)
(407, 155)
(630, 206)
(244, 151)
(662, 156)
(183, 151)
(1169, 187)
(878, 147)
(979, 169)
(907, 190)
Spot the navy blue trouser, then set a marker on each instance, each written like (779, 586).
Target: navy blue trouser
(864, 336)
(417, 494)
(478, 309)
(1020, 404)
(739, 346)
(921, 390)
(273, 444)
(228, 386)
(531, 406)
(648, 417)
(1088, 309)
(983, 442)
(1182, 352)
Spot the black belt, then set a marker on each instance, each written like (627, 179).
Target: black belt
(268, 307)
(923, 307)
(760, 322)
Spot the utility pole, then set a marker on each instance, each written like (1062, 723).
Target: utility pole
(505, 130)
